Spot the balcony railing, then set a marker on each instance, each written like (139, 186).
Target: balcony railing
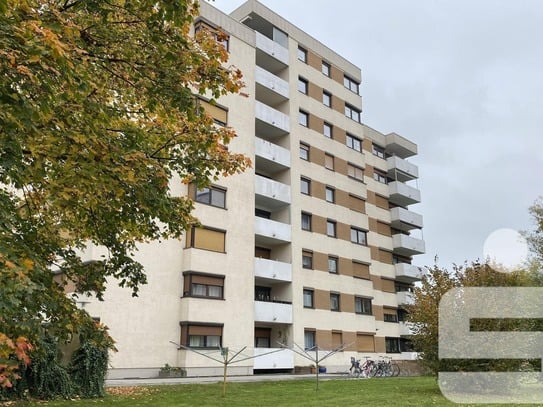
(273, 312)
(401, 170)
(404, 219)
(405, 298)
(273, 358)
(271, 194)
(408, 273)
(400, 146)
(270, 89)
(407, 245)
(272, 232)
(270, 157)
(402, 194)
(273, 270)
(270, 54)
(270, 122)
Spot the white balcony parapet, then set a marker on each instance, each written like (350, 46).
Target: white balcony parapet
(273, 312)
(407, 245)
(404, 219)
(274, 157)
(405, 298)
(273, 358)
(279, 122)
(273, 270)
(273, 83)
(403, 194)
(408, 273)
(405, 328)
(400, 146)
(401, 170)
(274, 231)
(271, 194)
(272, 48)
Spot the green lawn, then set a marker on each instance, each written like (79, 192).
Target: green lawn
(412, 391)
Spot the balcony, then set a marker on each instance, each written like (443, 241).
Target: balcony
(273, 312)
(270, 54)
(404, 219)
(405, 298)
(271, 194)
(271, 158)
(273, 270)
(401, 170)
(271, 232)
(408, 273)
(400, 146)
(405, 329)
(270, 123)
(405, 245)
(279, 359)
(402, 194)
(270, 89)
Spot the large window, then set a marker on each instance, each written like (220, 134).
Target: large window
(201, 335)
(334, 302)
(352, 112)
(302, 54)
(359, 236)
(303, 118)
(355, 172)
(213, 196)
(378, 150)
(354, 142)
(351, 84)
(308, 298)
(306, 221)
(207, 239)
(304, 151)
(305, 186)
(309, 339)
(262, 337)
(392, 345)
(218, 113)
(203, 285)
(362, 305)
(380, 176)
(302, 85)
(331, 227)
(390, 316)
(307, 259)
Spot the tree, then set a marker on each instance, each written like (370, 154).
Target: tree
(424, 313)
(99, 114)
(535, 237)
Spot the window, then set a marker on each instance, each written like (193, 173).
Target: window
(329, 161)
(307, 259)
(331, 228)
(355, 172)
(211, 196)
(352, 112)
(362, 305)
(262, 293)
(327, 130)
(262, 337)
(330, 194)
(354, 142)
(302, 54)
(350, 84)
(207, 239)
(390, 317)
(262, 213)
(334, 302)
(380, 176)
(309, 339)
(325, 68)
(305, 186)
(220, 36)
(392, 345)
(306, 221)
(218, 113)
(333, 263)
(359, 236)
(302, 85)
(378, 150)
(308, 298)
(198, 335)
(303, 118)
(304, 151)
(203, 285)
(327, 98)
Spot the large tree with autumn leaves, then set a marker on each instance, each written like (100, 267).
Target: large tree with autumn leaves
(97, 115)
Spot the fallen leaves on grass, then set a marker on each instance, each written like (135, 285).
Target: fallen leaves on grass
(130, 391)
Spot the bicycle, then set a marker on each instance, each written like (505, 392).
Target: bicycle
(386, 368)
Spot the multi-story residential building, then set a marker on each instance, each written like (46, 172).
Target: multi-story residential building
(312, 247)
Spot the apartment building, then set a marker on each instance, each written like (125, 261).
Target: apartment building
(309, 250)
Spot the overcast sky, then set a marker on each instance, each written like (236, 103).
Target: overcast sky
(463, 79)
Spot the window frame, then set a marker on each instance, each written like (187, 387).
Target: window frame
(352, 113)
(350, 83)
(380, 176)
(307, 254)
(326, 68)
(307, 182)
(329, 162)
(335, 302)
(333, 260)
(330, 128)
(353, 142)
(191, 238)
(212, 190)
(303, 85)
(330, 194)
(310, 334)
(186, 334)
(304, 151)
(309, 293)
(326, 98)
(303, 118)
(355, 170)
(308, 217)
(366, 306)
(359, 232)
(378, 151)
(302, 54)
(331, 224)
(392, 345)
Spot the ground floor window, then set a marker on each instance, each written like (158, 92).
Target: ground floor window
(201, 335)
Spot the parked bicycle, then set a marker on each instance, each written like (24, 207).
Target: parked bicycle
(386, 368)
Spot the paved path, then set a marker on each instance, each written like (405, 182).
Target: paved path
(214, 379)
